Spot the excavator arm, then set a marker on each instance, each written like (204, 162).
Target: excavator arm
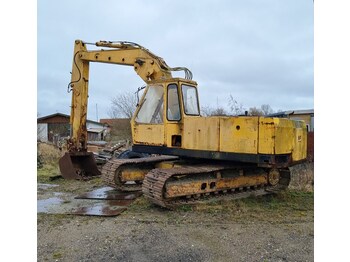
(77, 163)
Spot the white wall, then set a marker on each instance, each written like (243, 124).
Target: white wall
(93, 125)
(42, 132)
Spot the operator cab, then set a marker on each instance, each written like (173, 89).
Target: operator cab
(179, 97)
(161, 112)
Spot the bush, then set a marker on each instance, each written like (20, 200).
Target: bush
(48, 154)
(302, 177)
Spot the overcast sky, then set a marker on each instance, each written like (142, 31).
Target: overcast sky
(260, 52)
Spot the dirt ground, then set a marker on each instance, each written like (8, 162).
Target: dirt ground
(267, 228)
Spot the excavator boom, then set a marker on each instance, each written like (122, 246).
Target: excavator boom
(77, 163)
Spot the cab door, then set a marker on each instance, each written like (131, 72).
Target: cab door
(173, 127)
(148, 121)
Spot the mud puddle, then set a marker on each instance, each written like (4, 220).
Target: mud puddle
(109, 193)
(45, 205)
(103, 201)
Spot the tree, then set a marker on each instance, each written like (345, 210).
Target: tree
(123, 105)
(266, 109)
(235, 107)
(210, 111)
(262, 111)
(253, 111)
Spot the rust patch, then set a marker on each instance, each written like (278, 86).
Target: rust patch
(200, 186)
(133, 174)
(267, 123)
(241, 181)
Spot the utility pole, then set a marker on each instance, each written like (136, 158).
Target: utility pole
(96, 113)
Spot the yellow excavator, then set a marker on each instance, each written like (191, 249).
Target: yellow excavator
(191, 157)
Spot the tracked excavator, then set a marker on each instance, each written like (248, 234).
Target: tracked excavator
(192, 157)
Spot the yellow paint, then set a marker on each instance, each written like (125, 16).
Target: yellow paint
(239, 134)
(300, 142)
(284, 136)
(241, 181)
(149, 134)
(266, 135)
(166, 165)
(133, 174)
(186, 187)
(201, 132)
(79, 86)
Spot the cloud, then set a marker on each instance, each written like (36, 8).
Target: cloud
(261, 52)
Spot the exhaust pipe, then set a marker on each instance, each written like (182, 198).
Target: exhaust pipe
(78, 165)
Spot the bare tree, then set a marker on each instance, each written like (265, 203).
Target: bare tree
(266, 109)
(206, 110)
(210, 111)
(235, 107)
(123, 105)
(219, 111)
(253, 111)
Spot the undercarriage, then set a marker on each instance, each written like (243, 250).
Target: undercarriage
(169, 181)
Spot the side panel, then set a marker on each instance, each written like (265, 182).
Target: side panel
(284, 136)
(201, 133)
(300, 146)
(239, 134)
(148, 134)
(266, 135)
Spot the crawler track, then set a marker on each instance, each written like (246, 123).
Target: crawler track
(154, 186)
(112, 170)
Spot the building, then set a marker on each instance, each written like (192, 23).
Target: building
(52, 128)
(119, 128)
(306, 115)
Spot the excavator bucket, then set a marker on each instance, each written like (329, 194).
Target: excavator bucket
(78, 165)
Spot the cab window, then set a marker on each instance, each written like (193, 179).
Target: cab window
(151, 111)
(173, 110)
(190, 98)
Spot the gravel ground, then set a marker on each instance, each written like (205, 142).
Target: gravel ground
(129, 239)
(268, 229)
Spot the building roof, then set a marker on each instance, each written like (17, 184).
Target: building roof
(95, 130)
(292, 112)
(63, 115)
(52, 115)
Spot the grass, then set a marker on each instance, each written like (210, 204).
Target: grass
(290, 206)
(49, 156)
(287, 205)
(296, 203)
(47, 171)
(57, 255)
